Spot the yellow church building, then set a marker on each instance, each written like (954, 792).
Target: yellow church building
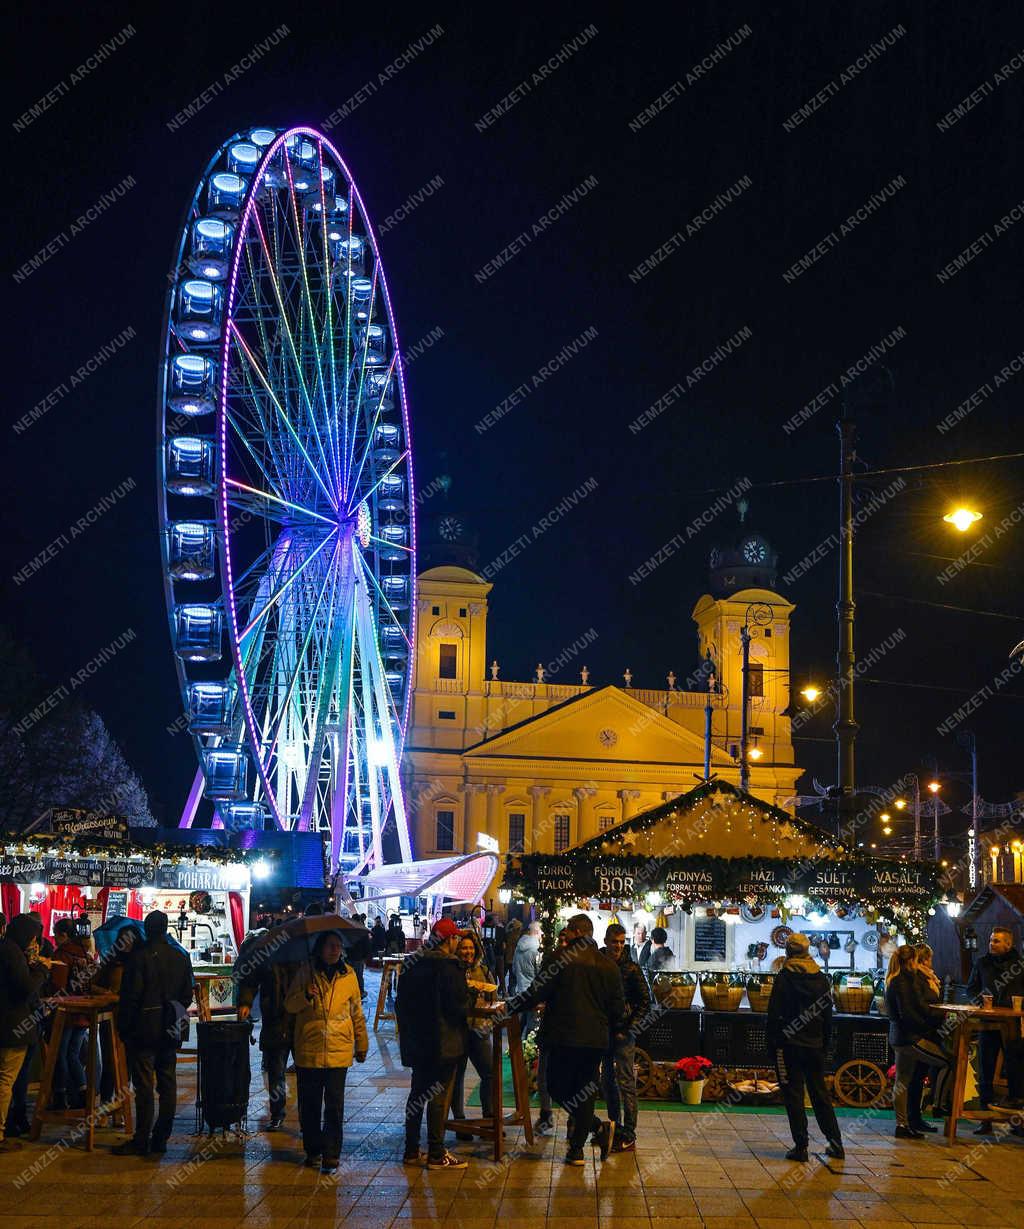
(540, 765)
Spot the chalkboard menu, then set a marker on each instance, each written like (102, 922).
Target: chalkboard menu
(708, 940)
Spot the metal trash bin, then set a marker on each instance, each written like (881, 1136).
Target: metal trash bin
(223, 1075)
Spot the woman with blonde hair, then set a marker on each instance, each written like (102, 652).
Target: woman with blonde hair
(914, 1025)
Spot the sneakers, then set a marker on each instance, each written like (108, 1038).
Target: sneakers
(545, 1125)
(312, 1160)
(907, 1133)
(796, 1154)
(329, 1165)
(605, 1138)
(623, 1145)
(275, 1123)
(835, 1149)
(575, 1157)
(414, 1158)
(925, 1128)
(448, 1161)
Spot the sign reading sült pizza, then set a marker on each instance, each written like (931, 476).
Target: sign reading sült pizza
(703, 878)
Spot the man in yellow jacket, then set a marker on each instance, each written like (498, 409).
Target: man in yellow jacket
(330, 1031)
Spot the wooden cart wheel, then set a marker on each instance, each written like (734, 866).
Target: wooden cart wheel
(644, 1069)
(860, 1083)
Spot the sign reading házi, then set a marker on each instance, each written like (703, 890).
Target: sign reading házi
(765, 882)
(71, 821)
(203, 878)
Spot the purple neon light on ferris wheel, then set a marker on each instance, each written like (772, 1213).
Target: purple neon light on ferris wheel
(311, 474)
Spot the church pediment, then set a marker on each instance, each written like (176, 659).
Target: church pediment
(603, 725)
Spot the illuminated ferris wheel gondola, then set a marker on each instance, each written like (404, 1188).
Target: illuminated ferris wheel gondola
(286, 499)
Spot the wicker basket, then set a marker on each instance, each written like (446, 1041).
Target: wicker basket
(675, 997)
(719, 997)
(855, 1000)
(758, 996)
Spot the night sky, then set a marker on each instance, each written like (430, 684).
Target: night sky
(727, 122)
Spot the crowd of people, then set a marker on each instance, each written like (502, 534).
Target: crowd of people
(582, 1005)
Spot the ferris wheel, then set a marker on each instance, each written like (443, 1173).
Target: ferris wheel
(286, 500)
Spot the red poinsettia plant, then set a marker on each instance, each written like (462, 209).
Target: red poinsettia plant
(696, 1067)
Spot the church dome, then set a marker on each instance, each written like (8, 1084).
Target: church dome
(743, 560)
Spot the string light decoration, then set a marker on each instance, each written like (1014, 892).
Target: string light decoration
(56, 846)
(638, 857)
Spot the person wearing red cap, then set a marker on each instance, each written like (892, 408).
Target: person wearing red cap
(432, 1004)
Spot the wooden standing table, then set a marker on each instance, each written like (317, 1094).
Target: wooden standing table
(99, 1009)
(391, 968)
(972, 1019)
(493, 1128)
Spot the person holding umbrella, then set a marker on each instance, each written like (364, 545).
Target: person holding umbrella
(330, 1031)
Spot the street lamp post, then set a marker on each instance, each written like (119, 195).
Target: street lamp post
(846, 725)
(934, 787)
(967, 740)
(759, 614)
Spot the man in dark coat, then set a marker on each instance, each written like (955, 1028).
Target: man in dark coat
(21, 975)
(432, 1004)
(799, 1029)
(999, 973)
(618, 1068)
(155, 993)
(584, 1008)
(260, 974)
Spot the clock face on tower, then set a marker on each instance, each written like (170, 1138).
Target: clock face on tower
(608, 738)
(754, 550)
(450, 528)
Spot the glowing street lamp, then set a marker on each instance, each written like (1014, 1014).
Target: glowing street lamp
(754, 753)
(962, 518)
(934, 786)
(810, 693)
(900, 804)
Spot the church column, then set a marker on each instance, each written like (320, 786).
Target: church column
(534, 837)
(474, 821)
(494, 792)
(584, 818)
(628, 797)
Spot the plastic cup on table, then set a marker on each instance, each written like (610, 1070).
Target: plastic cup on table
(1018, 1002)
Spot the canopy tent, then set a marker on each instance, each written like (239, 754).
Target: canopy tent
(461, 879)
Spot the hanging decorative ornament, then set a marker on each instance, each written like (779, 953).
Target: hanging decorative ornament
(661, 920)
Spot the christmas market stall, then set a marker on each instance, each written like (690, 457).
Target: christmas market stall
(708, 887)
(93, 867)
